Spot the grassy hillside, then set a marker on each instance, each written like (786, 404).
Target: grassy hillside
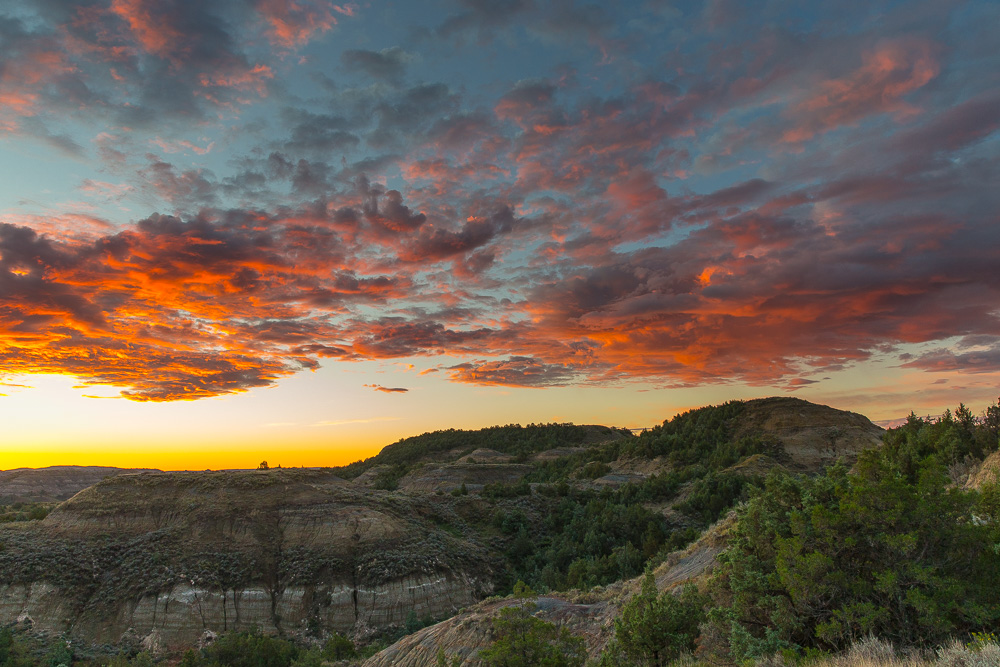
(452, 444)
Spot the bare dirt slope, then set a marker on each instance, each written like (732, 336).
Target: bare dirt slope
(987, 471)
(813, 435)
(588, 615)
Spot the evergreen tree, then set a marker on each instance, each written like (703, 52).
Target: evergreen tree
(654, 629)
(522, 640)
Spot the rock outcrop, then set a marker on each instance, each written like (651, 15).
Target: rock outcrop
(182, 613)
(483, 455)
(181, 553)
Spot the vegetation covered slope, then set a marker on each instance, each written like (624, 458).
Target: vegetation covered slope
(894, 549)
(400, 458)
(815, 563)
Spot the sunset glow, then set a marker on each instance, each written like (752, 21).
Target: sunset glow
(298, 231)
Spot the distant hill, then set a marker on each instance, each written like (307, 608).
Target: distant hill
(452, 444)
(812, 435)
(55, 483)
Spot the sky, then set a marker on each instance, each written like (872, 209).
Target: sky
(296, 230)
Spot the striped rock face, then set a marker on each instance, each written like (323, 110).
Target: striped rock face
(177, 554)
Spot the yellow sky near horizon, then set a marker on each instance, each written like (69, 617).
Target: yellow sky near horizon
(329, 418)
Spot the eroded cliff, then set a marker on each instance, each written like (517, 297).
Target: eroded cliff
(177, 554)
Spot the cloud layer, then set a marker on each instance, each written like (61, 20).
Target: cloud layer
(697, 198)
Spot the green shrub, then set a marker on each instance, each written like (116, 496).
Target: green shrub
(250, 649)
(714, 494)
(339, 647)
(522, 640)
(654, 629)
(388, 479)
(826, 561)
(443, 661)
(13, 653)
(595, 469)
(59, 654)
(412, 623)
(523, 590)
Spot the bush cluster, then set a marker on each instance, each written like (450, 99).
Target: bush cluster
(20, 511)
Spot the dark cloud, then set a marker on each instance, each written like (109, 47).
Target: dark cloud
(32, 301)
(190, 188)
(526, 97)
(477, 262)
(573, 21)
(408, 113)
(320, 351)
(390, 338)
(322, 133)
(385, 208)
(311, 178)
(462, 131)
(439, 244)
(388, 64)
(63, 143)
(955, 128)
(513, 372)
(798, 383)
(986, 360)
(481, 19)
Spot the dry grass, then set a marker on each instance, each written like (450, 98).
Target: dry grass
(984, 651)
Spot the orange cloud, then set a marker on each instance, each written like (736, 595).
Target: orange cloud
(23, 77)
(253, 79)
(169, 310)
(887, 75)
(293, 23)
(180, 145)
(153, 34)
